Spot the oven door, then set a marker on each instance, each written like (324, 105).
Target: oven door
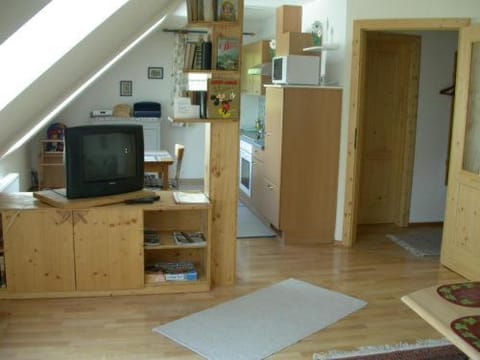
(246, 172)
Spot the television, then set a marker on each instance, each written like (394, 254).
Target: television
(103, 160)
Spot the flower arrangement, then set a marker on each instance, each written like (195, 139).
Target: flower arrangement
(317, 32)
(272, 45)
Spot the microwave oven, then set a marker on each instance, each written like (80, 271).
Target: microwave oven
(296, 70)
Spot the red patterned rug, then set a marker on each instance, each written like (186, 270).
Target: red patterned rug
(423, 350)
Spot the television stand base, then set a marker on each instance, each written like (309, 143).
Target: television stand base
(57, 198)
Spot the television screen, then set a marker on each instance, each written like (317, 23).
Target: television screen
(103, 160)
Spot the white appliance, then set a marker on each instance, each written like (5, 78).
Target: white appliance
(296, 70)
(246, 166)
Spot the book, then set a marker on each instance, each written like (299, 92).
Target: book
(182, 197)
(228, 53)
(191, 238)
(173, 271)
(226, 10)
(206, 55)
(223, 98)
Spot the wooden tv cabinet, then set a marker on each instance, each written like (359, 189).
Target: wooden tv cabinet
(97, 251)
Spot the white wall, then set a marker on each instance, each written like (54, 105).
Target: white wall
(386, 9)
(433, 126)
(156, 50)
(334, 13)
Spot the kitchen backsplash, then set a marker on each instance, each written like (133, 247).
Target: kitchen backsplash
(252, 108)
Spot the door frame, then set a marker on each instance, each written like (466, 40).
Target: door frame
(357, 85)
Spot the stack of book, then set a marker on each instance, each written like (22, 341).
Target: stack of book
(198, 55)
(151, 237)
(171, 271)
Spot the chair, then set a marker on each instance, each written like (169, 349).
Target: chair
(179, 151)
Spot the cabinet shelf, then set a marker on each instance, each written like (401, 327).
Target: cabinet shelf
(326, 47)
(199, 120)
(209, 24)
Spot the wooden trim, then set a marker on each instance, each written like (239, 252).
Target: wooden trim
(356, 108)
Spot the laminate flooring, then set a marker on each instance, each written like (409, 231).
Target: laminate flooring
(375, 270)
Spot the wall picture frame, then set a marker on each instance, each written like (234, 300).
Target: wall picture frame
(155, 72)
(126, 88)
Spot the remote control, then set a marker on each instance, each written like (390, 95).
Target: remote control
(144, 200)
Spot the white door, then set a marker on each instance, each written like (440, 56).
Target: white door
(461, 235)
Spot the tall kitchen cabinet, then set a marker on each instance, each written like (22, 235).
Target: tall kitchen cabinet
(302, 126)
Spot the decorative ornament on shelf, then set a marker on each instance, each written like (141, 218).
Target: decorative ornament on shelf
(317, 32)
(272, 45)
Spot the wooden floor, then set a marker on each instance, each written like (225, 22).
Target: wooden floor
(376, 270)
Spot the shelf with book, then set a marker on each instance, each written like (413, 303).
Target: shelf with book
(187, 219)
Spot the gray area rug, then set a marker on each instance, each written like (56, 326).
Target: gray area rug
(262, 323)
(421, 241)
(250, 226)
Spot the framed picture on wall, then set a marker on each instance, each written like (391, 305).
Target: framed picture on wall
(155, 72)
(126, 87)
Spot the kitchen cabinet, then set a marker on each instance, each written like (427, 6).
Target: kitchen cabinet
(256, 63)
(302, 132)
(258, 173)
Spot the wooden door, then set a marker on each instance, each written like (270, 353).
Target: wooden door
(109, 248)
(391, 75)
(461, 235)
(39, 250)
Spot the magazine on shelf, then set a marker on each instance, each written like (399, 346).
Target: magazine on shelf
(183, 197)
(223, 98)
(228, 53)
(189, 238)
(173, 271)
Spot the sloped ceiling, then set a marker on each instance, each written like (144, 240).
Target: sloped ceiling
(65, 76)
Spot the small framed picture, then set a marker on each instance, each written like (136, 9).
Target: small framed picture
(126, 87)
(155, 72)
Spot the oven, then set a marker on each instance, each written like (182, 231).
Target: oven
(246, 165)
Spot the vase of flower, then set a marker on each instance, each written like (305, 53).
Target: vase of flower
(317, 32)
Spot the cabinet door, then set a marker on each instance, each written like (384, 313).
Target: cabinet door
(273, 134)
(271, 204)
(39, 250)
(109, 248)
(257, 184)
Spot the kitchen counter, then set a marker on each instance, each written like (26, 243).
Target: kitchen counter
(252, 137)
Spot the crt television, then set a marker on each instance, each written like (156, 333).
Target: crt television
(103, 160)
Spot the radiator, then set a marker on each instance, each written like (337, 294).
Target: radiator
(10, 183)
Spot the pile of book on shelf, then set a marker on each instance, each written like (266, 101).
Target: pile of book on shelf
(212, 10)
(170, 271)
(151, 237)
(198, 55)
(183, 238)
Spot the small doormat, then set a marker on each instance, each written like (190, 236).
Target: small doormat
(420, 241)
(422, 350)
(256, 325)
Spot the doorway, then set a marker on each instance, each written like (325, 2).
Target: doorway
(355, 163)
